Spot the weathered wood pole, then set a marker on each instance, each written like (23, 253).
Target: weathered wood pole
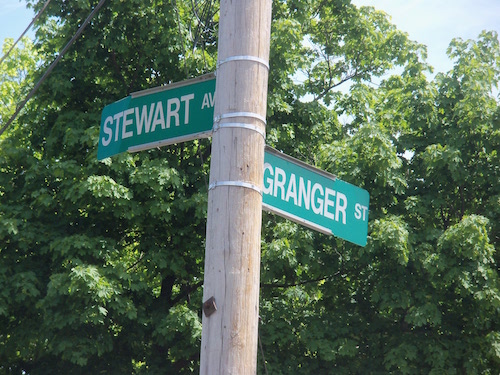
(232, 254)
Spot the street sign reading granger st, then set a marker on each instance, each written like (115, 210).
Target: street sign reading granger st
(314, 198)
(157, 117)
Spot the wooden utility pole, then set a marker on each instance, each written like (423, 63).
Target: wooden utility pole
(232, 255)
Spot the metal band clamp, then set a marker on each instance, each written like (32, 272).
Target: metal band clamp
(242, 125)
(243, 184)
(244, 58)
(240, 114)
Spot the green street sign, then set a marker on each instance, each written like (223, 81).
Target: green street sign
(157, 117)
(314, 198)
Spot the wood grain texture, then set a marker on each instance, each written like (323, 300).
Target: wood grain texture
(232, 256)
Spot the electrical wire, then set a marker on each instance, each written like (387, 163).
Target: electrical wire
(25, 31)
(52, 66)
(262, 350)
(174, 4)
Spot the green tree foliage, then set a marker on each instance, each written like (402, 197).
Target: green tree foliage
(16, 74)
(101, 263)
(99, 260)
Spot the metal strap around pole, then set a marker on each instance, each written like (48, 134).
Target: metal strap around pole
(242, 125)
(240, 114)
(242, 184)
(244, 58)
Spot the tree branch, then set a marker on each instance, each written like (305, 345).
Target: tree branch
(185, 292)
(276, 285)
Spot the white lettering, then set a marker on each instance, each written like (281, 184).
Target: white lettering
(173, 112)
(117, 118)
(317, 209)
(341, 207)
(107, 131)
(186, 99)
(158, 117)
(208, 100)
(205, 102)
(143, 119)
(269, 188)
(304, 193)
(279, 182)
(292, 189)
(329, 203)
(357, 209)
(127, 122)
(357, 214)
(323, 200)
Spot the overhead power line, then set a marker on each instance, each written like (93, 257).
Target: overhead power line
(52, 66)
(25, 31)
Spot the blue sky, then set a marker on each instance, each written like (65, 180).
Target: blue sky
(436, 22)
(14, 18)
(431, 22)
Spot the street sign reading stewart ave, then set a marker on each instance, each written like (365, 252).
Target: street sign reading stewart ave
(314, 198)
(157, 117)
(184, 111)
